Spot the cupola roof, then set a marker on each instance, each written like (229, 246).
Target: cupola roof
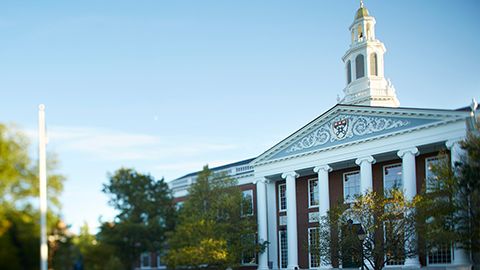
(361, 12)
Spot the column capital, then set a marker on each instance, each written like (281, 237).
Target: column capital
(326, 168)
(412, 150)
(368, 159)
(294, 174)
(452, 143)
(259, 180)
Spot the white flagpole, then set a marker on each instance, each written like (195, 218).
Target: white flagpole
(43, 187)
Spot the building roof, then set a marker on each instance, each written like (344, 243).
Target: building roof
(361, 12)
(219, 168)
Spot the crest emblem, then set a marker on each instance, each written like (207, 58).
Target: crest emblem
(340, 128)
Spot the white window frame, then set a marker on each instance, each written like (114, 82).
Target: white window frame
(310, 205)
(250, 191)
(309, 252)
(142, 266)
(388, 166)
(280, 197)
(280, 249)
(349, 200)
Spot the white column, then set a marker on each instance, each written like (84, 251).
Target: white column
(323, 196)
(409, 171)
(366, 179)
(292, 241)
(460, 256)
(272, 223)
(410, 185)
(262, 221)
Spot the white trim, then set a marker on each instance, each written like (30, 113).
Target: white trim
(280, 210)
(310, 206)
(392, 165)
(343, 184)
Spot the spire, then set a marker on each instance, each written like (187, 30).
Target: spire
(364, 64)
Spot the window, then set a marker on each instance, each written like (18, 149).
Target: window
(440, 254)
(313, 193)
(283, 249)
(249, 256)
(431, 179)
(373, 64)
(145, 260)
(159, 262)
(282, 199)
(313, 242)
(247, 202)
(392, 177)
(349, 72)
(395, 253)
(359, 66)
(351, 185)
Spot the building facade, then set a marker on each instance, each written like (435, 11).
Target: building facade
(365, 142)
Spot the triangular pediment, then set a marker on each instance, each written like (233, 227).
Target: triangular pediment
(343, 125)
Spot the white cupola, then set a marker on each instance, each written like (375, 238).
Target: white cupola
(364, 66)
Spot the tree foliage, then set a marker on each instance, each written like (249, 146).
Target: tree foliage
(211, 232)
(385, 220)
(19, 187)
(145, 213)
(449, 206)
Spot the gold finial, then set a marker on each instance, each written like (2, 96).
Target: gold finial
(361, 3)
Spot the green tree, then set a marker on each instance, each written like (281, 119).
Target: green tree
(211, 232)
(384, 221)
(145, 214)
(449, 206)
(19, 229)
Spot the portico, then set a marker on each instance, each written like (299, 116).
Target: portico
(405, 136)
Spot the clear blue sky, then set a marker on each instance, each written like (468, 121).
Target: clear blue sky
(167, 86)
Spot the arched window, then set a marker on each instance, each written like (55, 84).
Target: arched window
(349, 72)
(359, 66)
(373, 64)
(360, 32)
